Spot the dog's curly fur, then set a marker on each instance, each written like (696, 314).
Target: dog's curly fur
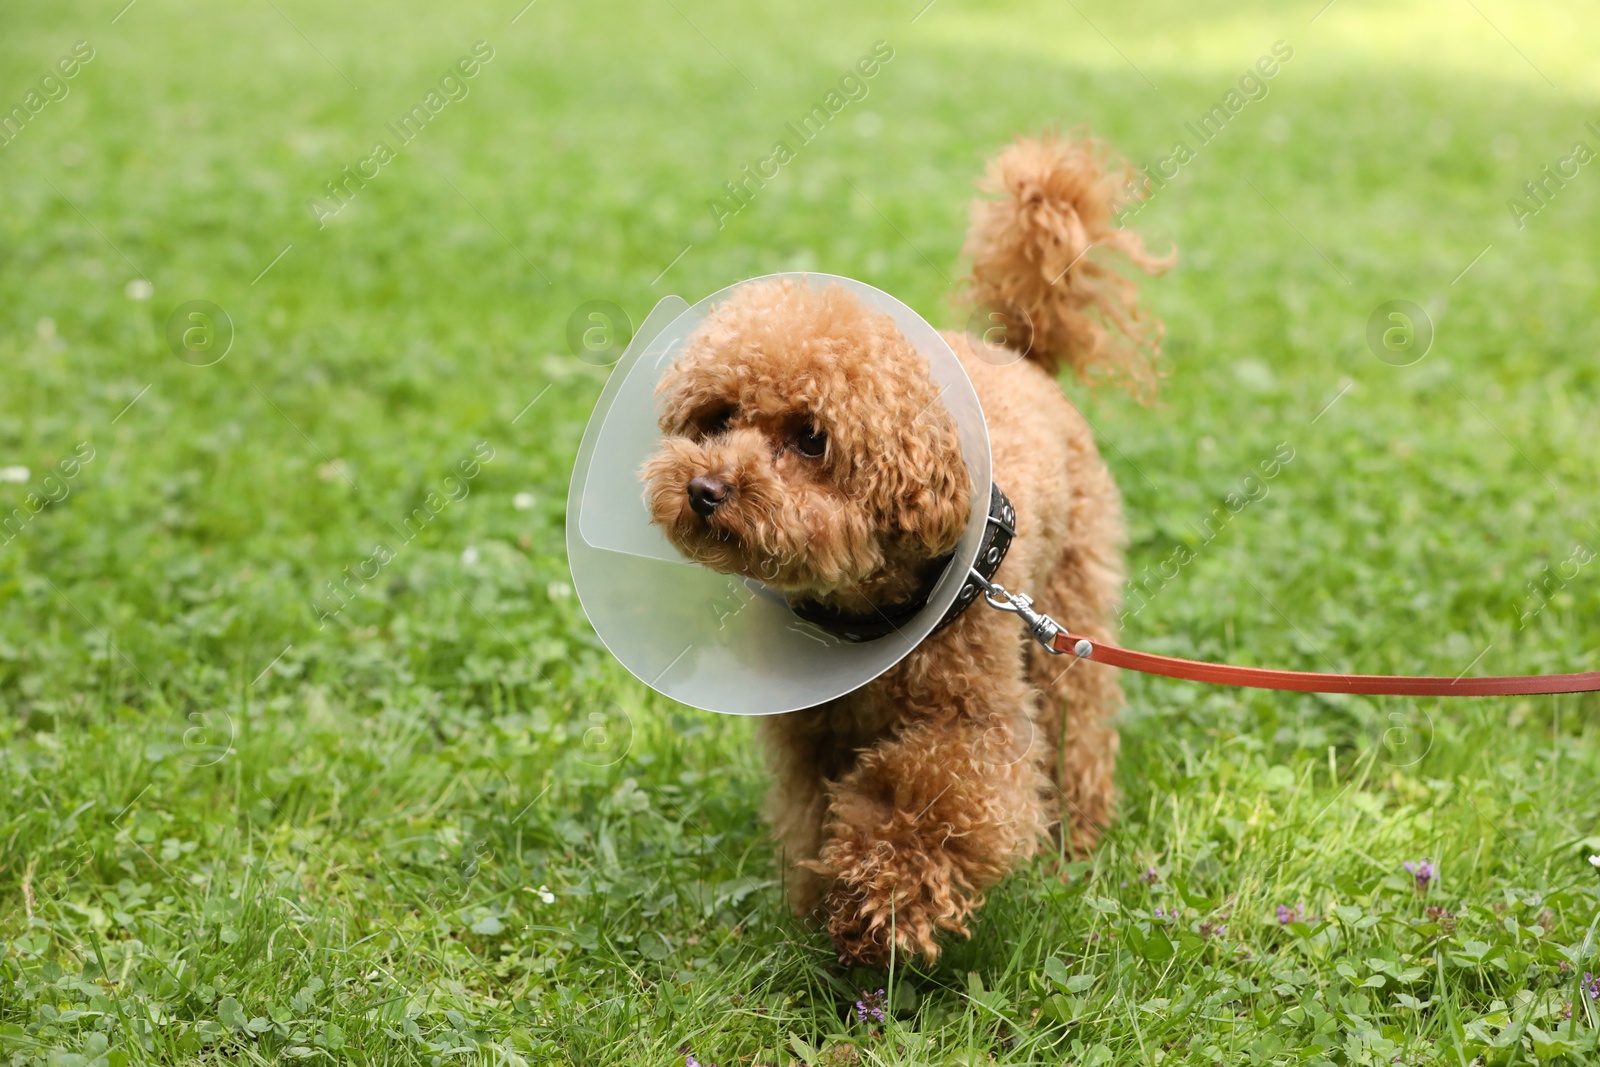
(842, 483)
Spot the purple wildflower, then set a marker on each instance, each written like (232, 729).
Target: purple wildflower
(1591, 985)
(1150, 876)
(1287, 915)
(870, 1004)
(1423, 871)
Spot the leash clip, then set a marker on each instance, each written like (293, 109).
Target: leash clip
(1042, 627)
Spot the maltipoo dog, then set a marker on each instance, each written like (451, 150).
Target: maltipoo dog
(806, 447)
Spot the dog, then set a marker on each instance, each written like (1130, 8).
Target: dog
(805, 446)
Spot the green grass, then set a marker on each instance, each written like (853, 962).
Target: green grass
(444, 827)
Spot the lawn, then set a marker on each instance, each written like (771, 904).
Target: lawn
(308, 752)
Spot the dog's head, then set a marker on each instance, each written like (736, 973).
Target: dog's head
(806, 447)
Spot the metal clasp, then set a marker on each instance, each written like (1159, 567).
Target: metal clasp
(1043, 628)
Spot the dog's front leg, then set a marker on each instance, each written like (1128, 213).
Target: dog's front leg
(925, 821)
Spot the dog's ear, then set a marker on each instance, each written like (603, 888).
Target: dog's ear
(911, 475)
(942, 500)
(923, 484)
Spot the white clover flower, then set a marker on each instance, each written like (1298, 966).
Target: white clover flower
(469, 555)
(14, 474)
(543, 893)
(1595, 860)
(139, 289)
(522, 501)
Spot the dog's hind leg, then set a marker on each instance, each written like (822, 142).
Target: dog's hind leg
(1081, 698)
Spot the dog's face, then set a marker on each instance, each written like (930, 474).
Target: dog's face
(806, 445)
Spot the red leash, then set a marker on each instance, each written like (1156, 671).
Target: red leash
(1052, 636)
(1317, 682)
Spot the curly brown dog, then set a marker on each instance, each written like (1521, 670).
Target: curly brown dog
(806, 447)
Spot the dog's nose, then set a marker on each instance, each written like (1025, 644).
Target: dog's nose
(706, 493)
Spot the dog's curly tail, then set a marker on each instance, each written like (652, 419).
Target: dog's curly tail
(1037, 251)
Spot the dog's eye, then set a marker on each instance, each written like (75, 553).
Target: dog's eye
(811, 441)
(714, 422)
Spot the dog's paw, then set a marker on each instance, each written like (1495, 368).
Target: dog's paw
(884, 900)
(864, 935)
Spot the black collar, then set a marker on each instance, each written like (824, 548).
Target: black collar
(869, 626)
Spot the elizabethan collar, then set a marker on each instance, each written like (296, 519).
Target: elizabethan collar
(716, 641)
